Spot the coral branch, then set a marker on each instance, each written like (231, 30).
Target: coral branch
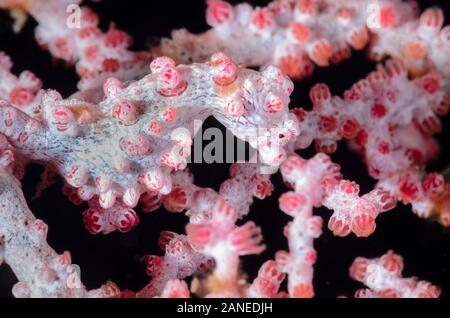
(221, 239)
(267, 283)
(317, 182)
(384, 278)
(22, 92)
(245, 183)
(71, 33)
(305, 177)
(351, 212)
(292, 35)
(390, 129)
(180, 261)
(113, 150)
(295, 35)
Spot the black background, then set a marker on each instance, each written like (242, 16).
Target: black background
(424, 244)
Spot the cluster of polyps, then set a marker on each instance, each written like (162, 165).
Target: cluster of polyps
(40, 270)
(22, 91)
(422, 190)
(391, 130)
(383, 277)
(377, 115)
(442, 204)
(181, 260)
(295, 35)
(421, 42)
(245, 183)
(289, 35)
(218, 237)
(129, 143)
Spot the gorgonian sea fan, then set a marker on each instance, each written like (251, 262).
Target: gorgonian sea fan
(123, 140)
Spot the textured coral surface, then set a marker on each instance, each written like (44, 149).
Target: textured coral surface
(103, 106)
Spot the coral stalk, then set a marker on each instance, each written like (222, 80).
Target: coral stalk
(129, 143)
(40, 270)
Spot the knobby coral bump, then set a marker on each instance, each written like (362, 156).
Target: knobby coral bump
(124, 140)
